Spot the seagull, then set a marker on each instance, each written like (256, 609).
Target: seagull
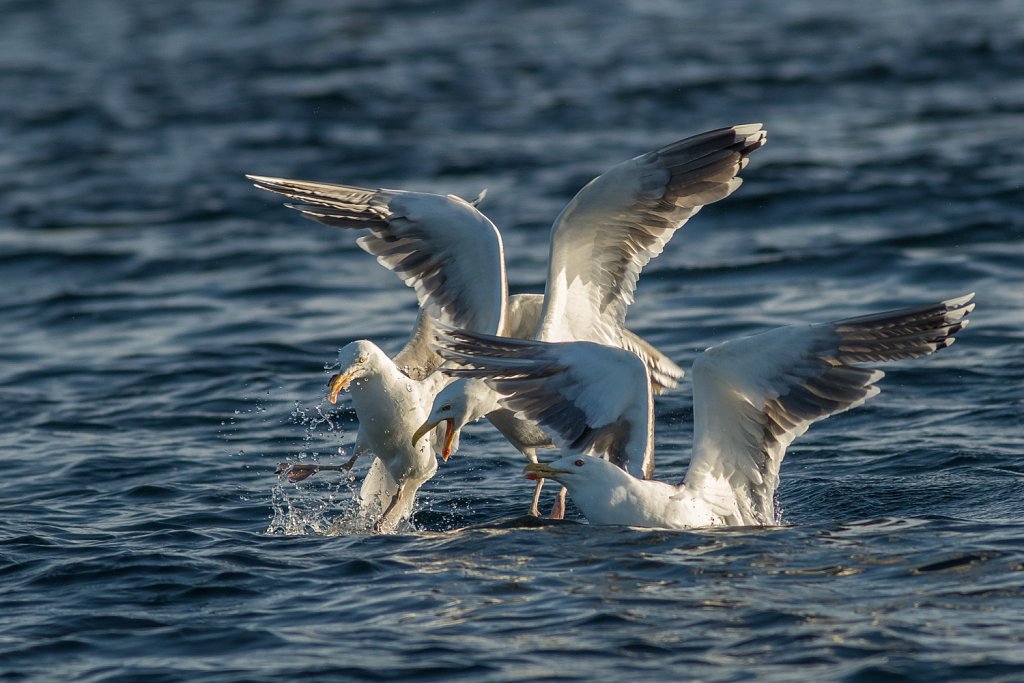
(751, 398)
(467, 400)
(599, 244)
(417, 235)
(452, 256)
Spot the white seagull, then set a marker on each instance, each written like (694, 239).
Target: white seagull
(751, 398)
(431, 241)
(599, 244)
(467, 400)
(452, 255)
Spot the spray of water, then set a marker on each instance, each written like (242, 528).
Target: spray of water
(323, 504)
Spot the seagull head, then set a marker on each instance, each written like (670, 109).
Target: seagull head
(560, 470)
(357, 360)
(577, 472)
(599, 489)
(456, 405)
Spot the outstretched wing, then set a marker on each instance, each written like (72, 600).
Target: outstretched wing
(418, 359)
(592, 399)
(665, 374)
(624, 218)
(754, 396)
(523, 315)
(441, 246)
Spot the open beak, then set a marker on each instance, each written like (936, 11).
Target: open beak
(538, 470)
(338, 384)
(449, 435)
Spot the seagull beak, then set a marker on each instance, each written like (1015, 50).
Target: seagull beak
(338, 384)
(538, 470)
(449, 435)
(424, 429)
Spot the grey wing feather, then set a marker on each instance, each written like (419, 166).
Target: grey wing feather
(418, 358)
(523, 317)
(579, 392)
(441, 246)
(665, 374)
(622, 219)
(754, 396)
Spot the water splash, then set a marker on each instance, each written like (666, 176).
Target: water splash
(323, 503)
(317, 506)
(327, 503)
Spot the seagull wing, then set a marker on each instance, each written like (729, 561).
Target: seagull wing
(523, 315)
(665, 374)
(441, 246)
(754, 396)
(592, 399)
(624, 218)
(418, 359)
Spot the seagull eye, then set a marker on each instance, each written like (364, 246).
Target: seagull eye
(579, 463)
(445, 408)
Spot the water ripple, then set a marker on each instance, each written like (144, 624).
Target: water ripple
(168, 333)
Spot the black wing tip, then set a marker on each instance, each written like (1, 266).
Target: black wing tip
(743, 138)
(904, 333)
(311, 190)
(955, 317)
(304, 208)
(956, 312)
(449, 338)
(750, 132)
(752, 136)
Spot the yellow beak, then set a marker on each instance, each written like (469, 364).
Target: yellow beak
(424, 428)
(539, 470)
(338, 384)
(449, 435)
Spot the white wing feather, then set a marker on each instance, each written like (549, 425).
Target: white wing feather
(592, 399)
(441, 246)
(622, 219)
(754, 396)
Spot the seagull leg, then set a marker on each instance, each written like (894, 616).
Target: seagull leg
(558, 511)
(383, 523)
(531, 455)
(351, 462)
(297, 472)
(534, 507)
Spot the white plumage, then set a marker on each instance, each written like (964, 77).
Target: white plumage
(752, 398)
(453, 257)
(602, 240)
(435, 244)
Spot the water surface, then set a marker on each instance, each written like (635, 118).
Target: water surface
(167, 331)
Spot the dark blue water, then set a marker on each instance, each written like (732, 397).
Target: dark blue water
(165, 330)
